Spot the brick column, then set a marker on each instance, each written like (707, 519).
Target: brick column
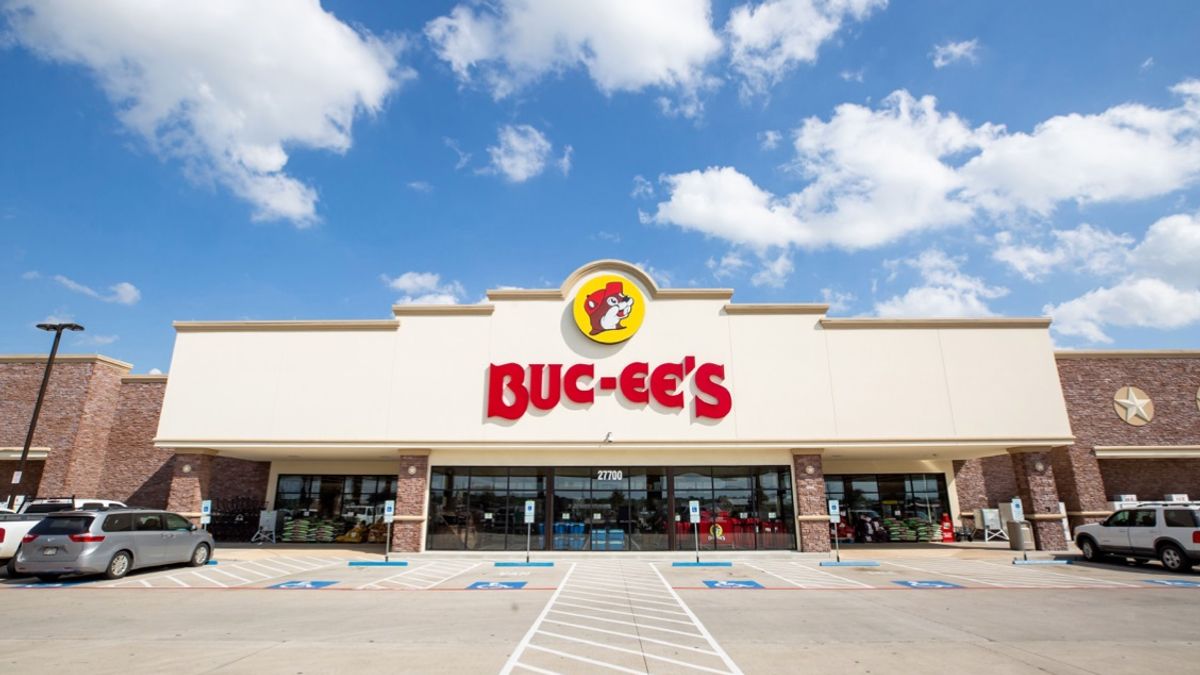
(812, 519)
(1080, 485)
(1039, 496)
(191, 474)
(412, 497)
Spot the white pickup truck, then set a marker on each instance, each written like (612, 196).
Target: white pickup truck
(1169, 531)
(14, 527)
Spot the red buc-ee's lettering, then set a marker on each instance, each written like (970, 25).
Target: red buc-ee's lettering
(512, 387)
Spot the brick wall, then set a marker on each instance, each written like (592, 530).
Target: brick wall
(1152, 478)
(81, 400)
(812, 531)
(1089, 384)
(984, 483)
(234, 478)
(412, 492)
(33, 476)
(135, 471)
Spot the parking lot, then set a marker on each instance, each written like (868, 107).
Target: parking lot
(466, 614)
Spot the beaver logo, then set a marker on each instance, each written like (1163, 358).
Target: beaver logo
(609, 309)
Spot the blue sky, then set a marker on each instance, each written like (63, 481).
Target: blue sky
(223, 161)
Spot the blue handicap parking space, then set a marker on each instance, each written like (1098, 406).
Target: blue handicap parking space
(732, 583)
(1177, 583)
(302, 585)
(927, 584)
(53, 584)
(496, 585)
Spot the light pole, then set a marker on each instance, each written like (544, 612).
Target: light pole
(58, 329)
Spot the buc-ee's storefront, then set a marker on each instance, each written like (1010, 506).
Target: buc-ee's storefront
(612, 403)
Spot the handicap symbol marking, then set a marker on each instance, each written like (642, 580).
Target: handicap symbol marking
(732, 583)
(496, 585)
(1177, 583)
(927, 584)
(302, 585)
(56, 584)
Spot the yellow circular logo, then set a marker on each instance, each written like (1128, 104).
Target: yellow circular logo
(609, 309)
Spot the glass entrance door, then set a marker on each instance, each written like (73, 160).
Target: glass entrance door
(609, 509)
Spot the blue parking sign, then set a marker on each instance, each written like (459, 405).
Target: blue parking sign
(302, 585)
(496, 585)
(926, 585)
(732, 583)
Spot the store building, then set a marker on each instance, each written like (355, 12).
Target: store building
(611, 403)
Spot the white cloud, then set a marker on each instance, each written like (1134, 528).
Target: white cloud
(1147, 64)
(59, 317)
(953, 52)
(769, 140)
(946, 291)
(564, 162)
(223, 85)
(838, 301)
(1142, 302)
(730, 264)
(464, 158)
(420, 186)
(661, 277)
(642, 188)
(521, 153)
(31, 275)
(624, 45)
(92, 340)
(123, 293)
(877, 175)
(853, 75)
(773, 271)
(154, 371)
(1159, 286)
(1086, 248)
(769, 39)
(425, 288)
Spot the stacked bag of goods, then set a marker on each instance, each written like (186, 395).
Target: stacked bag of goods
(912, 529)
(354, 536)
(297, 530)
(378, 533)
(325, 531)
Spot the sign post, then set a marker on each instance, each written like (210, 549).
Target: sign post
(1018, 516)
(529, 511)
(834, 517)
(389, 515)
(205, 513)
(694, 518)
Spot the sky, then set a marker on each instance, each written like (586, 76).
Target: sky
(289, 159)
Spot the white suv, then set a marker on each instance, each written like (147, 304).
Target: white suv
(1169, 531)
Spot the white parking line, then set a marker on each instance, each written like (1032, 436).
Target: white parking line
(572, 626)
(803, 576)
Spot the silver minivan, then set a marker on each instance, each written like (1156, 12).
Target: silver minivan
(110, 543)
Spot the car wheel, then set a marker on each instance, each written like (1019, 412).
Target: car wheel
(1174, 559)
(119, 565)
(1090, 551)
(10, 568)
(199, 556)
(48, 578)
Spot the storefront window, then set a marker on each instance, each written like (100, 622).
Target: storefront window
(327, 509)
(740, 507)
(889, 507)
(609, 508)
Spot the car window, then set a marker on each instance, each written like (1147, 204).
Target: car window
(175, 522)
(120, 522)
(62, 525)
(1181, 518)
(1143, 518)
(1118, 519)
(144, 522)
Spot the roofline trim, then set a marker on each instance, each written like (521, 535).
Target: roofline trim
(73, 358)
(277, 326)
(988, 322)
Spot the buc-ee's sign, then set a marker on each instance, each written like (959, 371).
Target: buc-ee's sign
(608, 309)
